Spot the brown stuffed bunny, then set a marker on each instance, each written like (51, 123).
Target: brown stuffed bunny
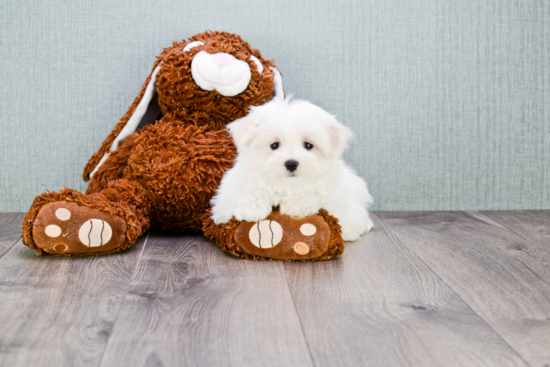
(163, 161)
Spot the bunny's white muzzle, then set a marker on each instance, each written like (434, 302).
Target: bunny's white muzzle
(221, 72)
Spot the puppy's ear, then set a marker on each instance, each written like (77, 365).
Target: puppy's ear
(242, 130)
(339, 137)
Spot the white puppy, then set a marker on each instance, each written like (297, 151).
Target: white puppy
(289, 156)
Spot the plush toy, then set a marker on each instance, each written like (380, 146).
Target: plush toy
(164, 159)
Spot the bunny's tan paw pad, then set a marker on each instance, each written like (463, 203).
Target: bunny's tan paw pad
(66, 228)
(283, 237)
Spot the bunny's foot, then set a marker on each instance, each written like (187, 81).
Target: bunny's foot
(71, 223)
(65, 228)
(280, 237)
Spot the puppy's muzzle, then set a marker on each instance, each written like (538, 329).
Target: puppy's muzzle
(291, 165)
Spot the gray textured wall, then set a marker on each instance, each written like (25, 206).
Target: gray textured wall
(449, 99)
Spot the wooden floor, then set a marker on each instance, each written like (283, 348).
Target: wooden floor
(422, 289)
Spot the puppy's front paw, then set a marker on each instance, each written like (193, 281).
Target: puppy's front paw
(252, 211)
(298, 208)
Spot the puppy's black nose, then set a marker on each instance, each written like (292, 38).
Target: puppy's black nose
(291, 165)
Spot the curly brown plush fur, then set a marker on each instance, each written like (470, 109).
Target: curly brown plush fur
(180, 95)
(164, 175)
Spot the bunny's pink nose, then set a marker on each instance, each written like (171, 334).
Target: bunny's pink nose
(222, 59)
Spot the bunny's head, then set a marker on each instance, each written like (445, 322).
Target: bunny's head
(214, 72)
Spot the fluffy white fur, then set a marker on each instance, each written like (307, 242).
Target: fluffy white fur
(259, 179)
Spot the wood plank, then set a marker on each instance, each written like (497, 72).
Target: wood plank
(10, 230)
(502, 276)
(190, 304)
(533, 225)
(380, 305)
(59, 311)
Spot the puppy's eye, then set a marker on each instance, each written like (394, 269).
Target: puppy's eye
(308, 146)
(274, 146)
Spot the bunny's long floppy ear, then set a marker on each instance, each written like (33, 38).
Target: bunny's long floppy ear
(140, 113)
(278, 91)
